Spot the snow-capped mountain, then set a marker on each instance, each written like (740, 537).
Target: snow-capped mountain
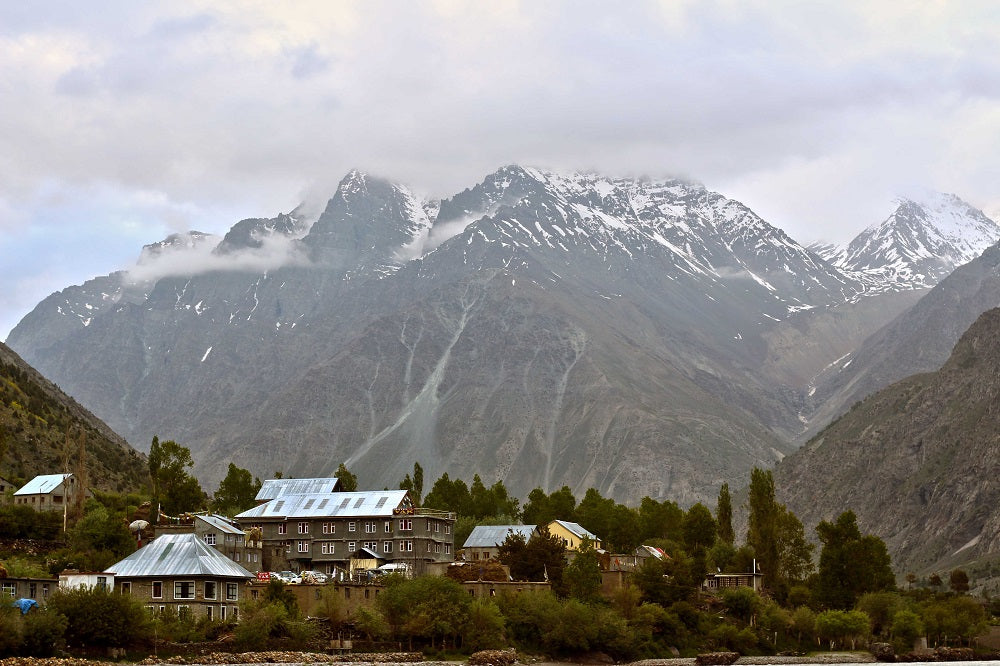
(920, 243)
(543, 328)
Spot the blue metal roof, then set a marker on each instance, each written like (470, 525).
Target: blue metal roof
(272, 488)
(172, 555)
(43, 484)
(374, 503)
(491, 536)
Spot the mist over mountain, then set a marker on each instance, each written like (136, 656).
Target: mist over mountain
(641, 337)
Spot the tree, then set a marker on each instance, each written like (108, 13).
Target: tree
(699, 529)
(237, 492)
(582, 576)
(762, 530)
(850, 563)
(542, 509)
(97, 617)
(415, 483)
(935, 581)
(543, 558)
(803, 623)
(101, 535)
(174, 489)
(348, 481)
(724, 515)
(907, 627)
(659, 520)
(958, 581)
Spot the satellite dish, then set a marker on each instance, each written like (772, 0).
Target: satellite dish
(138, 525)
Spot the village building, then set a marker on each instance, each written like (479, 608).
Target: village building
(484, 541)
(572, 534)
(726, 581)
(71, 579)
(221, 533)
(324, 531)
(274, 488)
(50, 492)
(38, 589)
(6, 488)
(181, 572)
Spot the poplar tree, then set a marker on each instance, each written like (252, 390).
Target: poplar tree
(724, 516)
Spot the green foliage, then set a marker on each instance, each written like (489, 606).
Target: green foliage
(99, 530)
(259, 621)
(429, 607)
(542, 509)
(762, 533)
(485, 628)
(97, 617)
(414, 484)
(659, 520)
(881, 608)
(331, 607)
(276, 592)
(582, 576)
(175, 489)
(19, 567)
(724, 515)
(958, 581)
(837, 626)
(479, 502)
(955, 617)
(850, 563)
(731, 638)
(371, 623)
(348, 481)
(742, 603)
(44, 633)
(803, 623)
(19, 521)
(699, 528)
(10, 630)
(906, 627)
(237, 492)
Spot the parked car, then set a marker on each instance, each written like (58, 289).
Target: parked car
(314, 577)
(289, 577)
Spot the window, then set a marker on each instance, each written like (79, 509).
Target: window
(303, 546)
(371, 545)
(183, 589)
(388, 526)
(8, 589)
(406, 524)
(303, 528)
(32, 590)
(327, 547)
(236, 556)
(232, 593)
(157, 589)
(406, 546)
(329, 528)
(126, 588)
(281, 528)
(45, 590)
(210, 589)
(236, 612)
(386, 546)
(102, 582)
(222, 613)
(210, 539)
(208, 612)
(430, 547)
(57, 499)
(447, 549)
(437, 527)
(352, 546)
(183, 612)
(447, 529)
(351, 526)
(370, 527)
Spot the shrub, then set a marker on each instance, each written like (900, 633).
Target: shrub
(10, 630)
(97, 617)
(44, 633)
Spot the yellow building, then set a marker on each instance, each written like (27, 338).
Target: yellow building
(572, 534)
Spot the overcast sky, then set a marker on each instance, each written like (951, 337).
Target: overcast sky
(122, 122)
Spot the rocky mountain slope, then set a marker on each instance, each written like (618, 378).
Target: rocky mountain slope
(918, 461)
(41, 428)
(641, 337)
(918, 340)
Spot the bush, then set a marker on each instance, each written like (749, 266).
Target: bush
(44, 633)
(99, 618)
(10, 630)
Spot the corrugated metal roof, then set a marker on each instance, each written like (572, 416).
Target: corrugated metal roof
(378, 503)
(273, 488)
(490, 536)
(172, 555)
(42, 484)
(220, 523)
(577, 529)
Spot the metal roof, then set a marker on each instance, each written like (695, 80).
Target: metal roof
(490, 536)
(375, 503)
(220, 523)
(273, 488)
(577, 529)
(41, 485)
(172, 555)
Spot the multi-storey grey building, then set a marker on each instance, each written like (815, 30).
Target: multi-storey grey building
(326, 531)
